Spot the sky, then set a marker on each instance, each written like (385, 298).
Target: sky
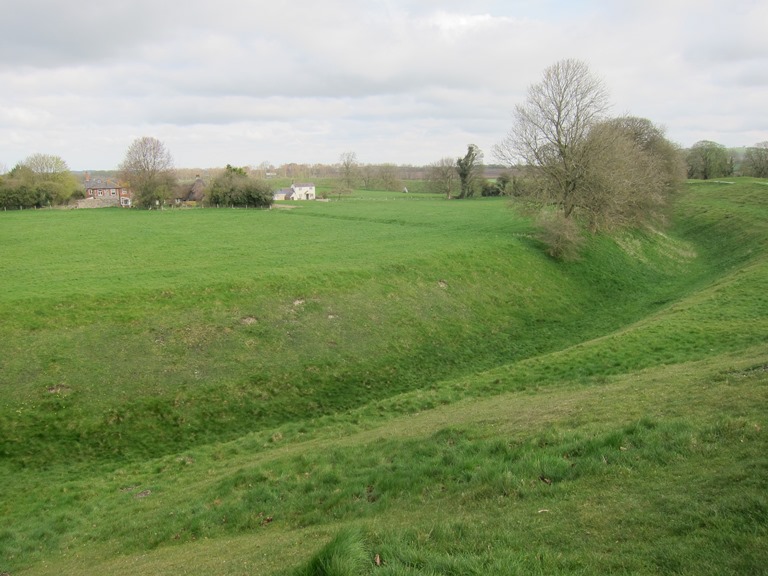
(247, 82)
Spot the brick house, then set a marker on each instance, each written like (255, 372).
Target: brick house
(107, 191)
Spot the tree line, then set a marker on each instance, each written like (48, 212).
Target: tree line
(568, 162)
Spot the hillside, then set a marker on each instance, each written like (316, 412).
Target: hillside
(225, 392)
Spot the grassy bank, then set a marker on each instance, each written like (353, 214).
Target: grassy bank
(404, 378)
(145, 333)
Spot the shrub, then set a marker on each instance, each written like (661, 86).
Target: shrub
(562, 236)
(234, 187)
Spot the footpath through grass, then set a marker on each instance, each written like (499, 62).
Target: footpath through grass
(467, 407)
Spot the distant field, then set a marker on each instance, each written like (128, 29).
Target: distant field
(226, 391)
(55, 254)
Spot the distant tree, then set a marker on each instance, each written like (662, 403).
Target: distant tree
(349, 169)
(489, 188)
(502, 181)
(388, 178)
(18, 189)
(40, 180)
(470, 171)
(46, 164)
(756, 161)
(53, 181)
(368, 175)
(340, 191)
(503, 186)
(234, 187)
(707, 159)
(148, 170)
(265, 168)
(442, 177)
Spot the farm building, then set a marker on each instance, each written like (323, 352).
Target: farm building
(296, 192)
(106, 192)
(194, 193)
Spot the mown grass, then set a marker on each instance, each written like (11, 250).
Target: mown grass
(494, 412)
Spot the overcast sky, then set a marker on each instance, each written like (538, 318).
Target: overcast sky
(402, 81)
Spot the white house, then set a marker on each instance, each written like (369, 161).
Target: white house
(296, 192)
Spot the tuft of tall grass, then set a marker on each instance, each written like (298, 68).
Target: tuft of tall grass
(344, 555)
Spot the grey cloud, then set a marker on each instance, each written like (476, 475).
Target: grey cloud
(49, 33)
(403, 79)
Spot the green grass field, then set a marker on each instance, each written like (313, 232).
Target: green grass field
(385, 384)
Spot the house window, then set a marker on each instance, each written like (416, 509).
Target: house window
(101, 192)
(113, 192)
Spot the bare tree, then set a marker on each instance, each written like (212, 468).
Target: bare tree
(264, 169)
(470, 170)
(148, 169)
(368, 175)
(582, 169)
(549, 133)
(387, 176)
(349, 169)
(442, 177)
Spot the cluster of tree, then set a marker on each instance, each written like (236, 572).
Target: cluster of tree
(461, 177)
(443, 178)
(381, 177)
(235, 187)
(40, 180)
(372, 176)
(504, 185)
(583, 170)
(756, 161)
(707, 159)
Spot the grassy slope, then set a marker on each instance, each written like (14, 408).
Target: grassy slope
(604, 435)
(148, 333)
